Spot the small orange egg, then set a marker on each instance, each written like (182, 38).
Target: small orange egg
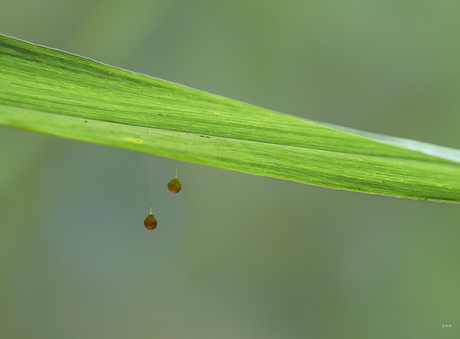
(174, 186)
(150, 222)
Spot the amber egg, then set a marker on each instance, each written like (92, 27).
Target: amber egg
(150, 222)
(174, 186)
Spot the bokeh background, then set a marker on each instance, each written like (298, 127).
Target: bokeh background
(235, 255)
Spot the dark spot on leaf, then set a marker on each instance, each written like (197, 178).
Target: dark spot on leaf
(86, 121)
(207, 137)
(160, 115)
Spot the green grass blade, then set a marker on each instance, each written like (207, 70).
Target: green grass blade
(65, 95)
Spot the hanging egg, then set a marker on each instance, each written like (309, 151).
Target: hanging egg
(150, 222)
(174, 186)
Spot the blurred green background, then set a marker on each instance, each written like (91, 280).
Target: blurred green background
(235, 255)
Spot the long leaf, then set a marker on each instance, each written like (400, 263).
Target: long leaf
(57, 93)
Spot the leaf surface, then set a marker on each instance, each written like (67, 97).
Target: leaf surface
(57, 93)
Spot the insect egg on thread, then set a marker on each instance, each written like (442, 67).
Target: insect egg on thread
(150, 222)
(174, 186)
